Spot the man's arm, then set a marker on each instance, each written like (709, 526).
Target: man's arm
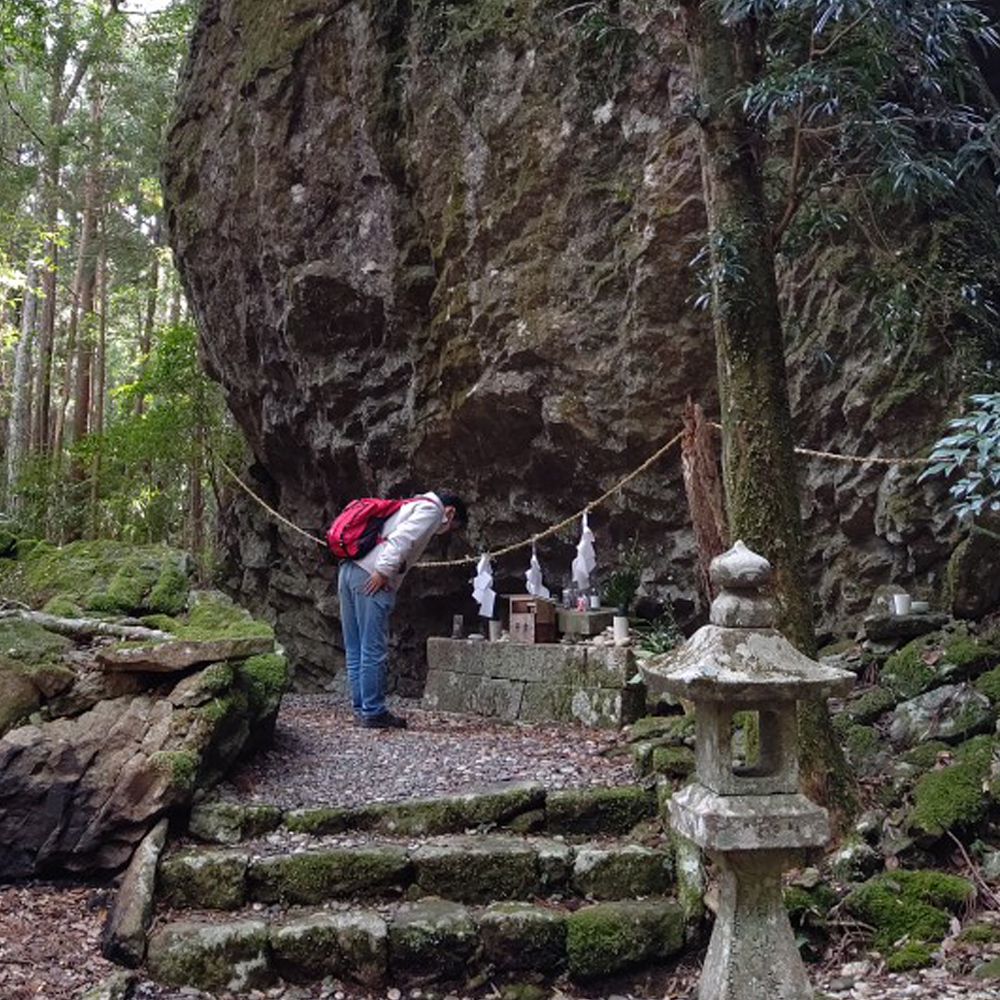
(411, 534)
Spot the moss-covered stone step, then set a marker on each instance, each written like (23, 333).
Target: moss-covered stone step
(468, 869)
(430, 941)
(520, 805)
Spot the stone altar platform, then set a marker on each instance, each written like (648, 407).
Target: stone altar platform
(545, 682)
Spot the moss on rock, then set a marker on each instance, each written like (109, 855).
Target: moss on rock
(475, 870)
(519, 936)
(868, 707)
(952, 796)
(432, 939)
(610, 937)
(989, 685)
(214, 957)
(910, 910)
(926, 755)
(265, 678)
(180, 767)
(598, 810)
(29, 643)
(671, 728)
(622, 873)
(193, 879)
(316, 876)
(937, 658)
(100, 576)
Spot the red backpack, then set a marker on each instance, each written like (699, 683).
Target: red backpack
(355, 530)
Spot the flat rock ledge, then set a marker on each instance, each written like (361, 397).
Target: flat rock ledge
(430, 941)
(182, 654)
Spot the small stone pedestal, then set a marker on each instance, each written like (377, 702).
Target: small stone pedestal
(749, 814)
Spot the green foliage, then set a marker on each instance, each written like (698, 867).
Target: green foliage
(623, 582)
(660, 635)
(969, 456)
(873, 113)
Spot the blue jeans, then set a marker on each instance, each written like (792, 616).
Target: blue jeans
(364, 619)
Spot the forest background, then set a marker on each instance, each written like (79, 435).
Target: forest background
(106, 419)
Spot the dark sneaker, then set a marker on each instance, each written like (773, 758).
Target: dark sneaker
(384, 721)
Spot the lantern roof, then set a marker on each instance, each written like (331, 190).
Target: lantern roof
(740, 657)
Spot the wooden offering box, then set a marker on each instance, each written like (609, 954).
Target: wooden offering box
(532, 619)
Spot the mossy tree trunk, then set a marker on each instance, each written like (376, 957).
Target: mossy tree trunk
(759, 470)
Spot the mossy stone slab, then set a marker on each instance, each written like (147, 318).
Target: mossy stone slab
(611, 937)
(477, 870)
(621, 873)
(522, 937)
(181, 654)
(490, 805)
(351, 944)
(432, 940)
(231, 822)
(211, 879)
(211, 956)
(311, 877)
(598, 810)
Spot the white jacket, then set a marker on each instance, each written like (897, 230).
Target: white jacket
(405, 535)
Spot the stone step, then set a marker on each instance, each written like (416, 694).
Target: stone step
(424, 942)
(519, 805)
(464, 868)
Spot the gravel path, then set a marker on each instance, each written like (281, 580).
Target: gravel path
(321, 756)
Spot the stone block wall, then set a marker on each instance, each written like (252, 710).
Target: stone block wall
(533, 683)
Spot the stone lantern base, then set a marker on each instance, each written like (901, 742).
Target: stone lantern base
(752, 954)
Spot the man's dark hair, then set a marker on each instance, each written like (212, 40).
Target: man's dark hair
(450, 499)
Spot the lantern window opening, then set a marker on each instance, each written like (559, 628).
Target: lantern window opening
(755, 743)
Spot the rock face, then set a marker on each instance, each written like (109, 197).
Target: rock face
(448, 243)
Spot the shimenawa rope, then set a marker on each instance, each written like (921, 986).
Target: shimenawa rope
(567, 521)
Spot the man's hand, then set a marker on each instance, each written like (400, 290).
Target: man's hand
(375, 582)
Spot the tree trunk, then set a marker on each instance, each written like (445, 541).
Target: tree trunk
(759, 470)
(88, 271)
(18, 428)
(47, 326)
(149, 318)
(100, 383)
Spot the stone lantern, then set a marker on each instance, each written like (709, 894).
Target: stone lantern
(749, 814)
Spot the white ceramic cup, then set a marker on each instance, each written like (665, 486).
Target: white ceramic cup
(901, 603)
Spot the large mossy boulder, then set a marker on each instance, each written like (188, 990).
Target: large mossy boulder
(89, 759)
(99, 577)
